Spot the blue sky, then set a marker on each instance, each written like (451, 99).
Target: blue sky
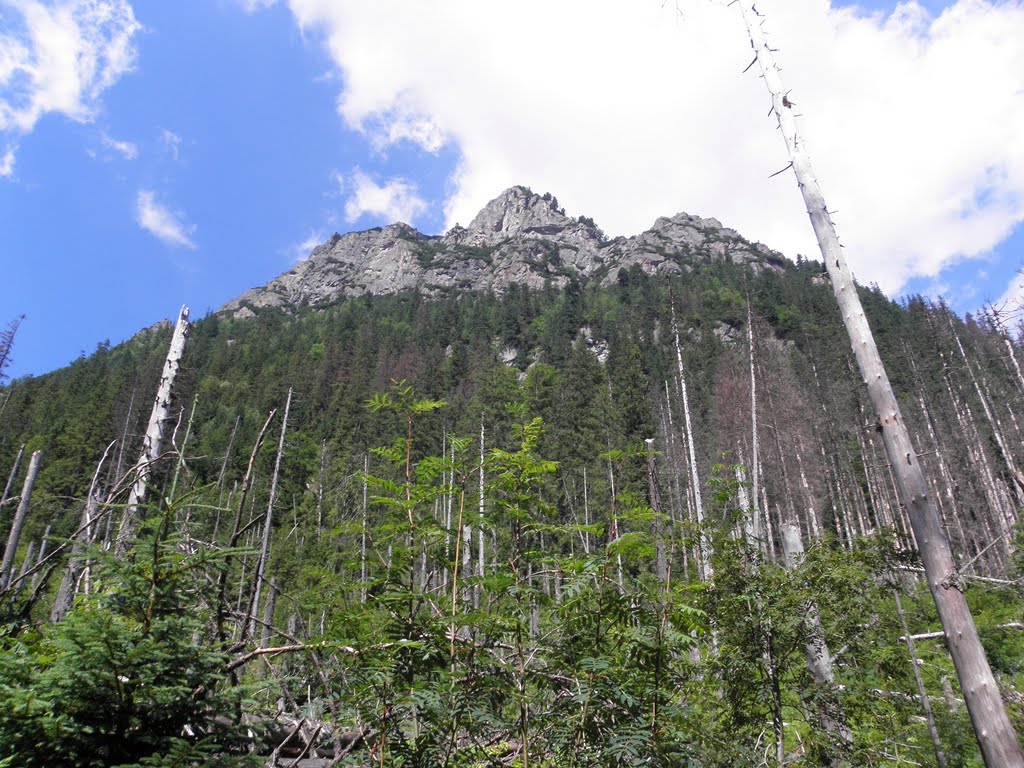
(154, 154)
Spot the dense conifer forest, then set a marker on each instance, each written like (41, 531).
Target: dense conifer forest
(650, 523)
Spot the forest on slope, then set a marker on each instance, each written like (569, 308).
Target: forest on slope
(527, 527)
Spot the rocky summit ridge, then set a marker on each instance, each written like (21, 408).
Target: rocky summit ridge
(519, 237)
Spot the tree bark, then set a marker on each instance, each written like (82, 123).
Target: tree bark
(978, 458)
(481, 554)
(26, 562)
(10, 477)
(261, 567)
(268, 614)
(83, 538)
(227, 453)
(922, 694)
(654, 499)
(44, 545)
(320, 491)
(705, 570)
(754, 442)
(819, 658)
(995, 734)
(7, 569)
(153, 443)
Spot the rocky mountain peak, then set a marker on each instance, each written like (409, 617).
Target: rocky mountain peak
(518, 238)
(518, 211)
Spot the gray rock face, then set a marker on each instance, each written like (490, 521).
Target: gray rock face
(519, 237)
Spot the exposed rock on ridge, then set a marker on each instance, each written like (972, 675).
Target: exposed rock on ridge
(519, 237)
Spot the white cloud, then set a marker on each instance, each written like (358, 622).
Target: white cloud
(628, 111)
(162, 223)
(59, 57)
(7, 163)
(339, 183)
(300, 251)
(171, 143)
(252, 6)
(395, 200)
(397, 126)
(126, 149)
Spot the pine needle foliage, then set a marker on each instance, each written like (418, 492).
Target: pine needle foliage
(129, 678)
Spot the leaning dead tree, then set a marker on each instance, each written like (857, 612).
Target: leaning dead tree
(7, 569)
(999, 745)
(268, 520)
(10, 477)
(84, 536)
(153, 443)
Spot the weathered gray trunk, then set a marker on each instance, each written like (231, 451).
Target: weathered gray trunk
(998, 742)
(261, 567)
(26, 563)
(481, 554)
(586, 512)
(320, 491)
(44, 547)
(615, 521)
(675, 504)
(705, 570)
(993, 421)
(73, 570)
(266, 633)
(654, 499)
(153, 443)
(754, 442)
(10, 477)
(922, 693)
(1011, 348)
(7, 569)
(974, 446)
(362, 541)
(819, 658)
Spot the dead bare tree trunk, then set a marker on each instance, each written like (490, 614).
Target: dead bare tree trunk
(153, 443)
(227, 453)
(995, 734)
(922, 693)
(268, 614)
(44, 545)
(654, 499)
(1016, 477)
(1000, 327)
(10, 477)
(754, 444)
(320, 491)
(7, 569)
(82, 539)
(480, 560)
(26, 563)
(614, 530)
(706, 569)
(819, 658)
(261, 568)
(586, 512)
(362, 542)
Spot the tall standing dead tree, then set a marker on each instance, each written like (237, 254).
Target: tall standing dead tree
(153, 444)
(998, 742)
(268, 520)
(7, 569)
